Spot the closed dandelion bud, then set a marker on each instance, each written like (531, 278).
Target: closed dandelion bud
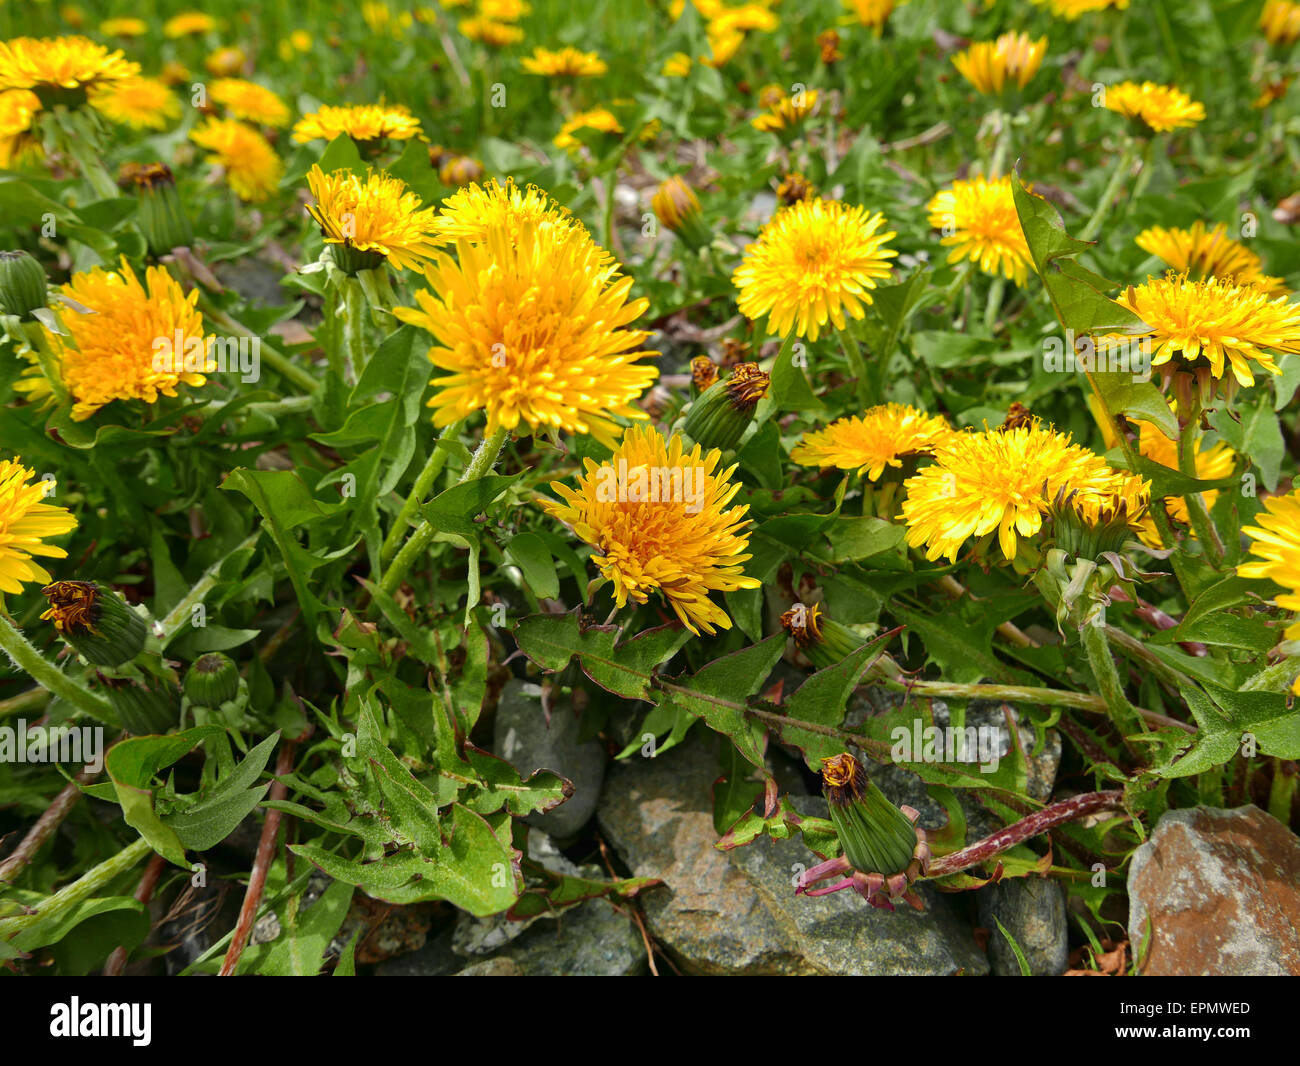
(212, 680)
(823, 640)
(793, 188)
(704, 372)
(719, 417)
(677, 207)
(161, 216)
(460, 170)
(146, 707)
(22, 284)
(876, 836)
(96, 621)
(1094, 522)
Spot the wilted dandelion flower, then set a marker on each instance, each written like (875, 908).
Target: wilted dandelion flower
(661, 519)
(1276, 553)
(226, 62)
(110, 353)
(812, 263)
(141, 103)
(61, 69)
(979, 222)
(786, 112)
(18, 109)
(1280, 21)
(880, 437)
(990, 65)
(599, 119)
(249, 101)
(1210, 327)
(490, 32)
(460, 170)
(1161, 107)
(871, 13)
(1203, 253)
(828, 42)
(25, 523)
(530, 324)
(188, 23)
(995, 481)
(253, 170)
(565, 63)
(362, 122)
(795, 187)
(375, 218)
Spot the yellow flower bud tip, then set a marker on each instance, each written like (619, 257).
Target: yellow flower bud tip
(674, 202)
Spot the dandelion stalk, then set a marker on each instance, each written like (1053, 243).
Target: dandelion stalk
(1117, 179)
(270, 355)
(1196, 511)
(423, 483)
(50, 677)
(419, 541)
(354, 347)
(1102, 661)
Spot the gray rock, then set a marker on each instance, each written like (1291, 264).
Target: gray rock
(523, 738)
(498, 967)
(591, 939)
(1216, 892)
(435, 959)
(735, 912)
(1032, 910)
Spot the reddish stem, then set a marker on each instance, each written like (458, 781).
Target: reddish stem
(50, 820)
(144, 893)
(1025, 829)
(261, 864)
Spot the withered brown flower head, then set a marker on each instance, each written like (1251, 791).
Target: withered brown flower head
(747, 385)
(1018, 416)
(704, 372)
(145, 175)
(829, 42)
(74, 606)
(795, 187)
(844, 778)
(803, 624)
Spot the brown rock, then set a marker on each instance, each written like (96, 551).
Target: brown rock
(1220, 893)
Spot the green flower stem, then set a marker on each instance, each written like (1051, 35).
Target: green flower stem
(77, 138)
(1276, 678)
(994, 303)
(419, 541)
(50, 677)
(270, 355)
(1002, 144)
(423, 483)
(83, 888)
(1281, 795)
(1196, 511)
(857, 366)
(1117, 179)
(354, 345)
(1097, 648)
(171, 624)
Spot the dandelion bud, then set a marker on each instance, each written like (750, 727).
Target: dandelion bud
(161, 216)
(719, 417)
(144, 707)
(876, 836)
(212, 680)
(22, 284)
(96, 621)
(677, 207)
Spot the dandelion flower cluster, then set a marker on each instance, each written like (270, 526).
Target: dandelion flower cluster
(1208, 253)
(362, 122)
(979, 221)
(59, 68)
(990, 65)
(1074, 9)
(249, 101)
(141, 103)
(25, 523)
(880, 437)
(376, 216)
(786, 112)
(473, 212)
(251, 165)
(661, 519)
(812, 263)
(1161, 107)
(565, 63)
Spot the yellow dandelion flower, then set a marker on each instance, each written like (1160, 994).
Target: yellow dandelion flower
(226, 62)
(18, 109)
(870, 13)
(1203, 253)
(880, 437)
(1073, 9)
(253, 170)
(661, 519)
(997, 481)
(361, 122)
(377, 216)
(530, 324)
(813, 262)
(472, 213)
(1212, 464)
(124, 27)
(249, 101)
(598, 119)
(1161, 107)
(722, 46)
(188, 24)
(1212, 325)
(141, 103)
(61, 69)
(990, 65)
(787, 112)
(677, 65)
(505, 10)
(111, 352)
(174, 73)
(1276, 550)
(72, 15)
(742, 19)
(566, 63)
(1280, 21)
(979, 222)
(25, 523)
(301, 40)
(490, 32)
